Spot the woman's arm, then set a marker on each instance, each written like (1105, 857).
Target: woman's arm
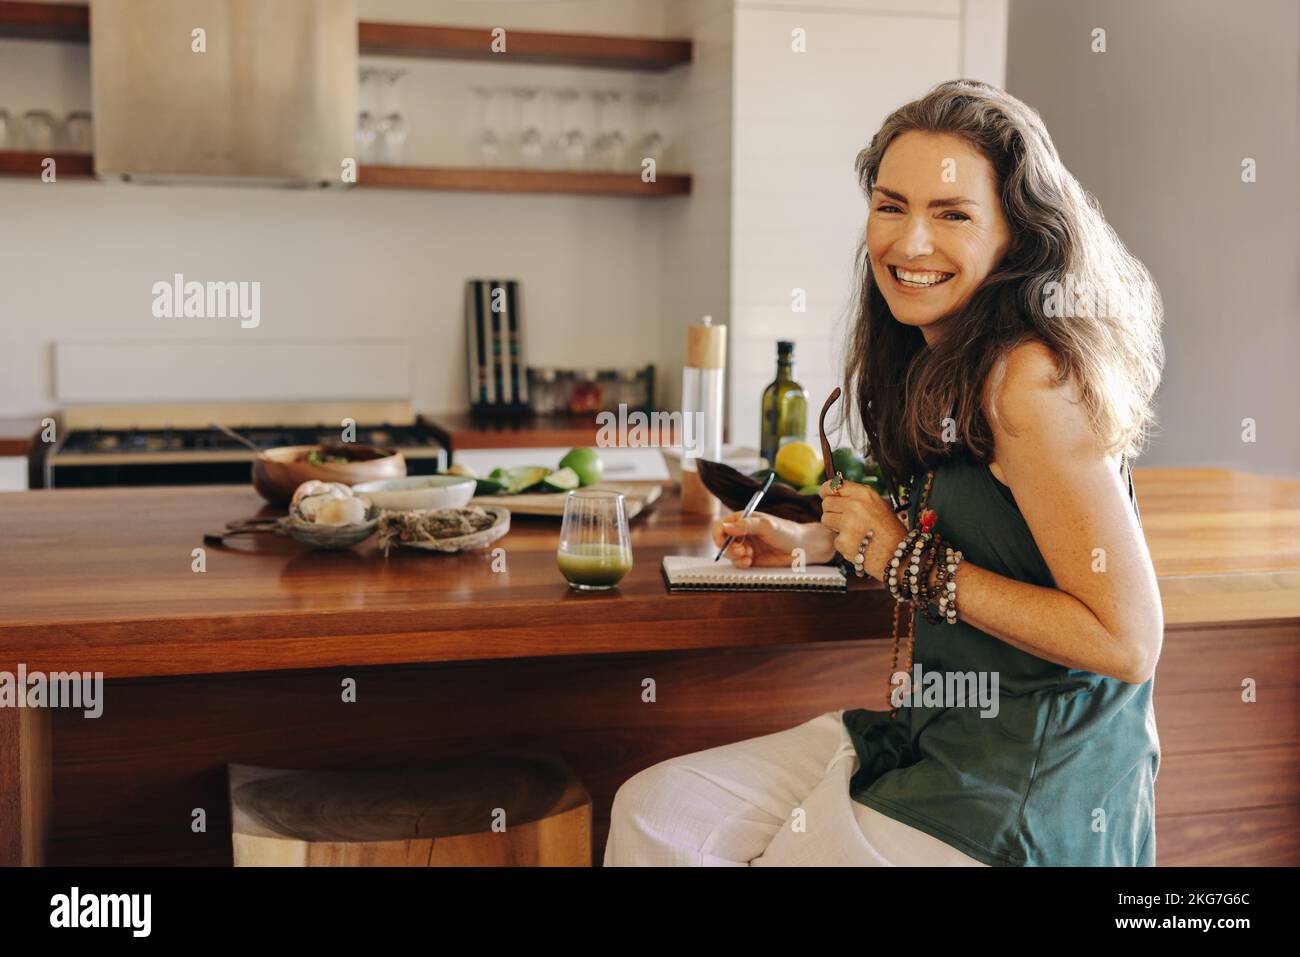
(1104, 615)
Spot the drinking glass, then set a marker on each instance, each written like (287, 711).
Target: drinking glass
(77, 132)
(8, 132)
(488, 141)
(39, 131)
(390, 125)
(595, 547)
(531, 140)
(571, 142)
(367, 120)
(650, 144)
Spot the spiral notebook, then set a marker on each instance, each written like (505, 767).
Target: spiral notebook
(694, 573)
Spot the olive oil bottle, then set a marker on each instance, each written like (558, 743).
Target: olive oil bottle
(785, 407)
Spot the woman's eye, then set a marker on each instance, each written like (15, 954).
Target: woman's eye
(888, 208)
(960, 216)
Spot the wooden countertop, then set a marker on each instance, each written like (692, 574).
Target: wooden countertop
(101, 580)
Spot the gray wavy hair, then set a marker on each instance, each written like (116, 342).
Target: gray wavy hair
(1066, 279)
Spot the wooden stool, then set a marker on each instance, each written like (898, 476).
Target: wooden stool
(498, 809)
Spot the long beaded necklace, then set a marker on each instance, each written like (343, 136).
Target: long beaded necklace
(898, 605)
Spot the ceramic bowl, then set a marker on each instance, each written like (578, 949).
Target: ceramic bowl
(330, 536)
(278, 472)
(418, 492)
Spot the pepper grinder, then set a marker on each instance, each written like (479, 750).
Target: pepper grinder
(706, 360)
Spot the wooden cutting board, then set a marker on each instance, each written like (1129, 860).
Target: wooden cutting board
(638, 496)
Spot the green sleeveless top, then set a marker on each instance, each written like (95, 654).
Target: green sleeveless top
(1063, 775)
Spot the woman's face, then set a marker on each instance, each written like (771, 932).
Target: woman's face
(935, 229)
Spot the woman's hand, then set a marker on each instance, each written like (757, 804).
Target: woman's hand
(764, 539)
(854, 511)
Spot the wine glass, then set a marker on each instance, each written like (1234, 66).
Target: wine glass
(595, 549)
(571, 142)
(529, 110)
(488, 145)
(367, 121)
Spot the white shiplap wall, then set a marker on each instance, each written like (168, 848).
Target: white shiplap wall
(695, 262)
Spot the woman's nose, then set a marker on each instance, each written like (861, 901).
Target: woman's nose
(916, 240)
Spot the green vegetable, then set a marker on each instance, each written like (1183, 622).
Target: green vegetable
(586, 464)
(561, 480)
(524, 477)
(316, 457)
(850, 464)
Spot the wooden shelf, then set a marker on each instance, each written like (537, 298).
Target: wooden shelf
(23, 163)
(71, 23)
(523, 46)
(522, 181)
(68, 22)
(82, 165)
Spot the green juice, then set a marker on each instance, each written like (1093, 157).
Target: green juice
(594, 565)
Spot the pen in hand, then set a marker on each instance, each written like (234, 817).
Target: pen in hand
(749, 510)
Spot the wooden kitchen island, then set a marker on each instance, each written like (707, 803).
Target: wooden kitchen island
(245, 663)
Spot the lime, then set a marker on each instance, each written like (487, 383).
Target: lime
(523, 477)
(849, 464)
(488, 487)
(561, 480)
(799, 464)
(586, 463)
(810, 490)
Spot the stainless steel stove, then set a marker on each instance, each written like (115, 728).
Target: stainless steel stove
(174, 445)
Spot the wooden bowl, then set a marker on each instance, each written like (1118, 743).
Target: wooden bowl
(734, 489)
(277, 472)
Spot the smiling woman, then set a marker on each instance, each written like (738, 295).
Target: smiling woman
(1004, 424)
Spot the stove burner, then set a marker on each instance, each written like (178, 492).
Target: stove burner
(144, 441)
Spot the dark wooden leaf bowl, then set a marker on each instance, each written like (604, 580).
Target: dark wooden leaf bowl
(734, 489)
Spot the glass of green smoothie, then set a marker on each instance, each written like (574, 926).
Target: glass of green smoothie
(595, 547)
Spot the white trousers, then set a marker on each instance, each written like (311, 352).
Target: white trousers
(777, 800)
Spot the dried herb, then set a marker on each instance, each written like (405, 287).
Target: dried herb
(405, 528)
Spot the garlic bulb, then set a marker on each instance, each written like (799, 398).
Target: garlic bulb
(341, 511)
(310, 497)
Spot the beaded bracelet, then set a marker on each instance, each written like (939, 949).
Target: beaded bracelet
(858, 562)
(914, 567)
(948, 596)
(930, 593)
(896, 569)
(927, 593)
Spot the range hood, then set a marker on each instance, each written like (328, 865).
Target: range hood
(272, 100)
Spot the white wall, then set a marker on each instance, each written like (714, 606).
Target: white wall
(800, 120)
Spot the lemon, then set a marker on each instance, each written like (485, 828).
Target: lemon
(799, 464)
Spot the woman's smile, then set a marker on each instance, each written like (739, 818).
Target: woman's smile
(918, 280)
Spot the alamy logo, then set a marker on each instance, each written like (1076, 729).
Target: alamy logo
(179, 299)
(103, 910)
(58, 689)
(638, 428)
(946, 689)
